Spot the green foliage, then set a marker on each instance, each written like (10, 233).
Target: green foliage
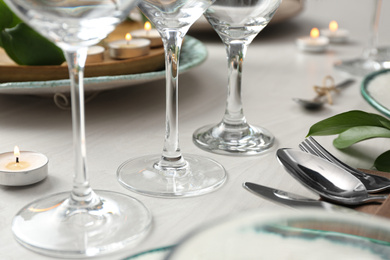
(383, 162)
(344, 121)
(24, 45)
(359, 133)
(7, 19)
(353, 127)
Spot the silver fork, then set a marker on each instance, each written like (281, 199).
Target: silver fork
(373, 183)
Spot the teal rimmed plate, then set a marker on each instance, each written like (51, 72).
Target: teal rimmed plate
(193, 53)
(280, 235)
(153, 254)
(375, 89)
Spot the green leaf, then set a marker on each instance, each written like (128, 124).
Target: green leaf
(6, 40)
(27, 47)
(24, 45)
(382, 163)
(359, 133)
(7, 18)
(344, 121)
(384, 121)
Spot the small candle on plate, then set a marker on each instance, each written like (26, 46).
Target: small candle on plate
(95, 54)
(335, 34)
(314, 43)
(20, 168)
(149, 33)
(129, 48)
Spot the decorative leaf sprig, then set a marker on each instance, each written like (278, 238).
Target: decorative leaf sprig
(353, 127)
(23, 44)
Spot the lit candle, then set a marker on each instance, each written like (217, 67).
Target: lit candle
(335, 34)
(150, 34)
(129, 48)
(95, 54)
(128, 38)
(314, 43)
(20, 168)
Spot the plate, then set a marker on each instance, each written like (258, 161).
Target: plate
(281, 235)
(153, 254)
(375, 89)
(193, 53)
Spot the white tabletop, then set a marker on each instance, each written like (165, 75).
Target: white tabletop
(129, 122)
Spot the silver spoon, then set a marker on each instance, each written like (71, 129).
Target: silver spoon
(318, 101)
(326, 179)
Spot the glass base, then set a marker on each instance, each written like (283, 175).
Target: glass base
(200, 175)
(378, 59)
(358, 67)
(51, 226)
(233, 140)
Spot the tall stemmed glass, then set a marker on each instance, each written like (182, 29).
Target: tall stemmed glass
(237, 22)
(374, 58)
(171, 174)
(81, 222)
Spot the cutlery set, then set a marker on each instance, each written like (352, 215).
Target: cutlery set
(321, 172)
(373, 183)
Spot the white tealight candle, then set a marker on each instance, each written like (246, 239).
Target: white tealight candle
(314, 43)
(150, 34)
(335, 34)
(22, 168)
(129, 48)
(95, 54)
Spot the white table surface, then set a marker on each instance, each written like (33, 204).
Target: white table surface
(129, 122)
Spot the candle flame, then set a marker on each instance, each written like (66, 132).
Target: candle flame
(128, 37)
(17, 154)
(333, 26)
(314, 33)
(16, 151)
(147, 26)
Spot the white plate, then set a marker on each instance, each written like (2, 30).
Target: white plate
(153, 254)
(193, 53)
(281, 235)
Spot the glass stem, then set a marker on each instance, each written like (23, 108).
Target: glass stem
(81, 193)
(171, 155)
(234, 114)
(374, 37)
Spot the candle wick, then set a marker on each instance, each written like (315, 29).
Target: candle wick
(17, 159)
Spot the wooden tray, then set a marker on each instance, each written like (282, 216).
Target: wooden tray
(11, 72)
(193, 54)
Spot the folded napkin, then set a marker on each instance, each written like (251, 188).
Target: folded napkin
(383, 209)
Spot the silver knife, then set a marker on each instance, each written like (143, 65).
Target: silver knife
(291, 199)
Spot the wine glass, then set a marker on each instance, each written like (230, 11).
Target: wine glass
(373, 58)
(171, 174)
(237, 22)
(79, 223)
